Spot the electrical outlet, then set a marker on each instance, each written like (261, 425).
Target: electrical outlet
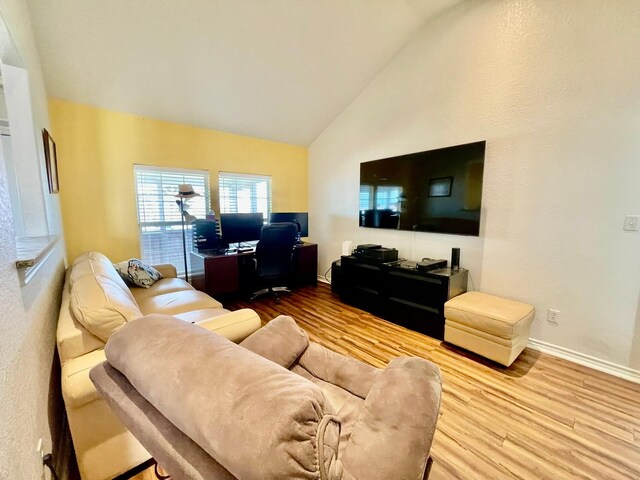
(553, 316)
(631, 223)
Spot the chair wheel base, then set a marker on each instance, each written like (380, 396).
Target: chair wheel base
(274, 291)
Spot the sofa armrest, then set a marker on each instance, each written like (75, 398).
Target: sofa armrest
(77, 388)
(399, 418)
(169, 446)
(166, 270)
(236, 326)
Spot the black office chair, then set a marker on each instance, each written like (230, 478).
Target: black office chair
(274, 255)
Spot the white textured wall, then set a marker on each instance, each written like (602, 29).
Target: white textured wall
(27, 315)
(554, 88)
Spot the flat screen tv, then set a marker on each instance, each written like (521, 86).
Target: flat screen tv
(433, 191)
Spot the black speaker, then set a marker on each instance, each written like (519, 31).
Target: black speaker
(455, 258)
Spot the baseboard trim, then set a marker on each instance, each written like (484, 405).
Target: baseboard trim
(586, 360)
(572, 356)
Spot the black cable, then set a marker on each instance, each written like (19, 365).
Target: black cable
(47, 461)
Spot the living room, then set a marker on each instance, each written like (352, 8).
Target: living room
(304, 93)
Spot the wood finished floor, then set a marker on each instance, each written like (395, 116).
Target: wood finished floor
(542, 418)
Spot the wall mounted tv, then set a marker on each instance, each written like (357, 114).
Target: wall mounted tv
(433, 191)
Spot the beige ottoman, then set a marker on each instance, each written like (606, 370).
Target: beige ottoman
(493, 327)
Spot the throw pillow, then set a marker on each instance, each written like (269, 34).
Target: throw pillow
(138, 273)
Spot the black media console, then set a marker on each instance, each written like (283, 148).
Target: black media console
(397, 292)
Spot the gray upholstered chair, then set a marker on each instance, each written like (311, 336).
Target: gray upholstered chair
(279, 408)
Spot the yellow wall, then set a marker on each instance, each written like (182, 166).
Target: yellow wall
(97, 149)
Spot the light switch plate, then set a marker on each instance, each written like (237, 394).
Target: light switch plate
(631, 223)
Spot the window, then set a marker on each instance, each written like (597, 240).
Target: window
(243, 193)
(22, 155)
(159, 219)
(33, 216)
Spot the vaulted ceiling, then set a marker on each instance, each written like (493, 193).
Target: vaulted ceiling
(275, 69)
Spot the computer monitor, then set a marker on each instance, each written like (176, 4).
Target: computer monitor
(241, 227)
(299, 218)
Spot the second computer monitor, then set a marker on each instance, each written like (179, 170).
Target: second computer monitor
(300, 218)
(241, 227)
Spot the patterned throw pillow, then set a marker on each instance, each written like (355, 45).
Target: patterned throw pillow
(138, 273)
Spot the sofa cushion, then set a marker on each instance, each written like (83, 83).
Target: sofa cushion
(162, 286)
(177, 302)
(73, 339)
(195, 316)
(102, 306)
(235, 326)
(93, 264)
(90, 255)
(347, 373)
(280, 340)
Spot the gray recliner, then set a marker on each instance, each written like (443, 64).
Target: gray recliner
(275, 407)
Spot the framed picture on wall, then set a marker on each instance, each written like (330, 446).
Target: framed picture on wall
(440, 187)
(51, 161)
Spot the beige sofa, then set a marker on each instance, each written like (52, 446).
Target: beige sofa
(95, 303)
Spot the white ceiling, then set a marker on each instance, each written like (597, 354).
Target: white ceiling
(275, 69)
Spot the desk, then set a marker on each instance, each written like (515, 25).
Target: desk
(219, 275)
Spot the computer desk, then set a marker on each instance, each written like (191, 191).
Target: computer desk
(232, 273)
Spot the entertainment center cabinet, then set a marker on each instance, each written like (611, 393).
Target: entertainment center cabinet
(399, 293)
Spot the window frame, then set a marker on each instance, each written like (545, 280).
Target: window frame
(238, 175)
(163, 224)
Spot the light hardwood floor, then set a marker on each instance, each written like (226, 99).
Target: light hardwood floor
(542, 418)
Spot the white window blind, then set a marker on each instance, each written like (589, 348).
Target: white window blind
(243, 193)
(159, 222)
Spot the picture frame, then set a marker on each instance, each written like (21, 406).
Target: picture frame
(51, 161)
(440, 187)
